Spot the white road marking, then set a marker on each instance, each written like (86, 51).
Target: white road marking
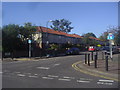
(36, 60)
(105, 83)
(64, 79)
(57, 64)
(68, 77)
(33, 76)
(1, 72)
(106, 80)
(83, 81)
(17, 72)
(52, 76)
(47, 78)
(21, 75)
(43, 67)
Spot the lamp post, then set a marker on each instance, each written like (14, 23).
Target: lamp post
(47, 41)
(29, 51)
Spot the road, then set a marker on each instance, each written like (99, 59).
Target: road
(54, 72)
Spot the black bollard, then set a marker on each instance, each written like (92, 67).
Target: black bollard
(92, 55)
(106, 62)
(97, 54)
(95, 61)
(102, 55)
(88, 59)
(85, 58)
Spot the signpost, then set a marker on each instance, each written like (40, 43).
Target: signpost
(110, 37)
(29, 41)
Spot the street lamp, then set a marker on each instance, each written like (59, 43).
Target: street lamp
(29, 51)
(47, 42)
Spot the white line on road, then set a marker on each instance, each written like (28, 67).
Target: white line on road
(17, 72)
(68, 77)
(105, 83)
(47, 78)
(56, 64)
(106, 80)
(36, 60)
(64, 79)
(52, 76)
(43, 68)
(33, 76)
(21, 75)
(1, 72)
(83, 81)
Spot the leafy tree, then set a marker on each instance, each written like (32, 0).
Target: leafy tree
(62, 25)
(115, 31)
(15, 36)
(89, 35)
(103, 37)
(26, 31)
(87, 41)
(10, 37)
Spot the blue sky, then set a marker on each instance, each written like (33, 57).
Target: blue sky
(86, 17)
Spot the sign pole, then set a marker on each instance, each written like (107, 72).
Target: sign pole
(110, 37)
(110, 49)
(29, 42)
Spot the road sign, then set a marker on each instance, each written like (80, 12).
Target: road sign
(29, 41)
(110, 36)
(99, 45)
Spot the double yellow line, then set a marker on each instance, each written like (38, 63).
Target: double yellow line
(74, 65)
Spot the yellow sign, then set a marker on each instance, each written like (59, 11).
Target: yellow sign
(99, 45)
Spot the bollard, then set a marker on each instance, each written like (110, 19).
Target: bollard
(88, 59)
(97, 54)
(92, 55)
(85, 58)
(102, 55)
(95, 61)
(106, 63)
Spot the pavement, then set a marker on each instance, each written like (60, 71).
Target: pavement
(100, 71)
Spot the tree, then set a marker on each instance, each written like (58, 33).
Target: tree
(26, 31)
(103, 37)
(15, 36)
(89, 35)
(11, 41)
(115, 31)
(87, 41)
(62, 25)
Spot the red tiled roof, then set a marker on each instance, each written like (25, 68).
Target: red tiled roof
(94, 38)
(48, 30)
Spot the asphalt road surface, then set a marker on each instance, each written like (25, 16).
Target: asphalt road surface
(54, 72)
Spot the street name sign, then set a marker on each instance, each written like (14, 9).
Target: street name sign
(110, 36)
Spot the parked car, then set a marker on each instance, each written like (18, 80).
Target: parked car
(72, 51)
(107, 50)
(91, 48)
